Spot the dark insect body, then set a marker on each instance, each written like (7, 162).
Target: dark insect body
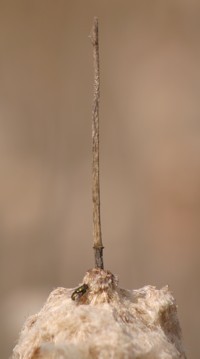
(79, 292)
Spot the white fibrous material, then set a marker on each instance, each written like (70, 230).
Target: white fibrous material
(101, 320)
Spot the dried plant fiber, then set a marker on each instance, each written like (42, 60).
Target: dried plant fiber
(104, 322)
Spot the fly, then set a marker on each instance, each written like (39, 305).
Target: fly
(79, 292)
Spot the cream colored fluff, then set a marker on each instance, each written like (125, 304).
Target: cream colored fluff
(105, 322)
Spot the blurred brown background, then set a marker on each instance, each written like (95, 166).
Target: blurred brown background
(150, 150)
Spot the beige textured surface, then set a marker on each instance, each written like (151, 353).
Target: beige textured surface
(105, 322)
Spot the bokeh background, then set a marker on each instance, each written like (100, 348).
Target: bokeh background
(150, 151)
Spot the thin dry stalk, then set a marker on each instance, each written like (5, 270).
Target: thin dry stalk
(97, 236)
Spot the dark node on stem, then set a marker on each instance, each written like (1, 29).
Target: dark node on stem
(98, 254)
